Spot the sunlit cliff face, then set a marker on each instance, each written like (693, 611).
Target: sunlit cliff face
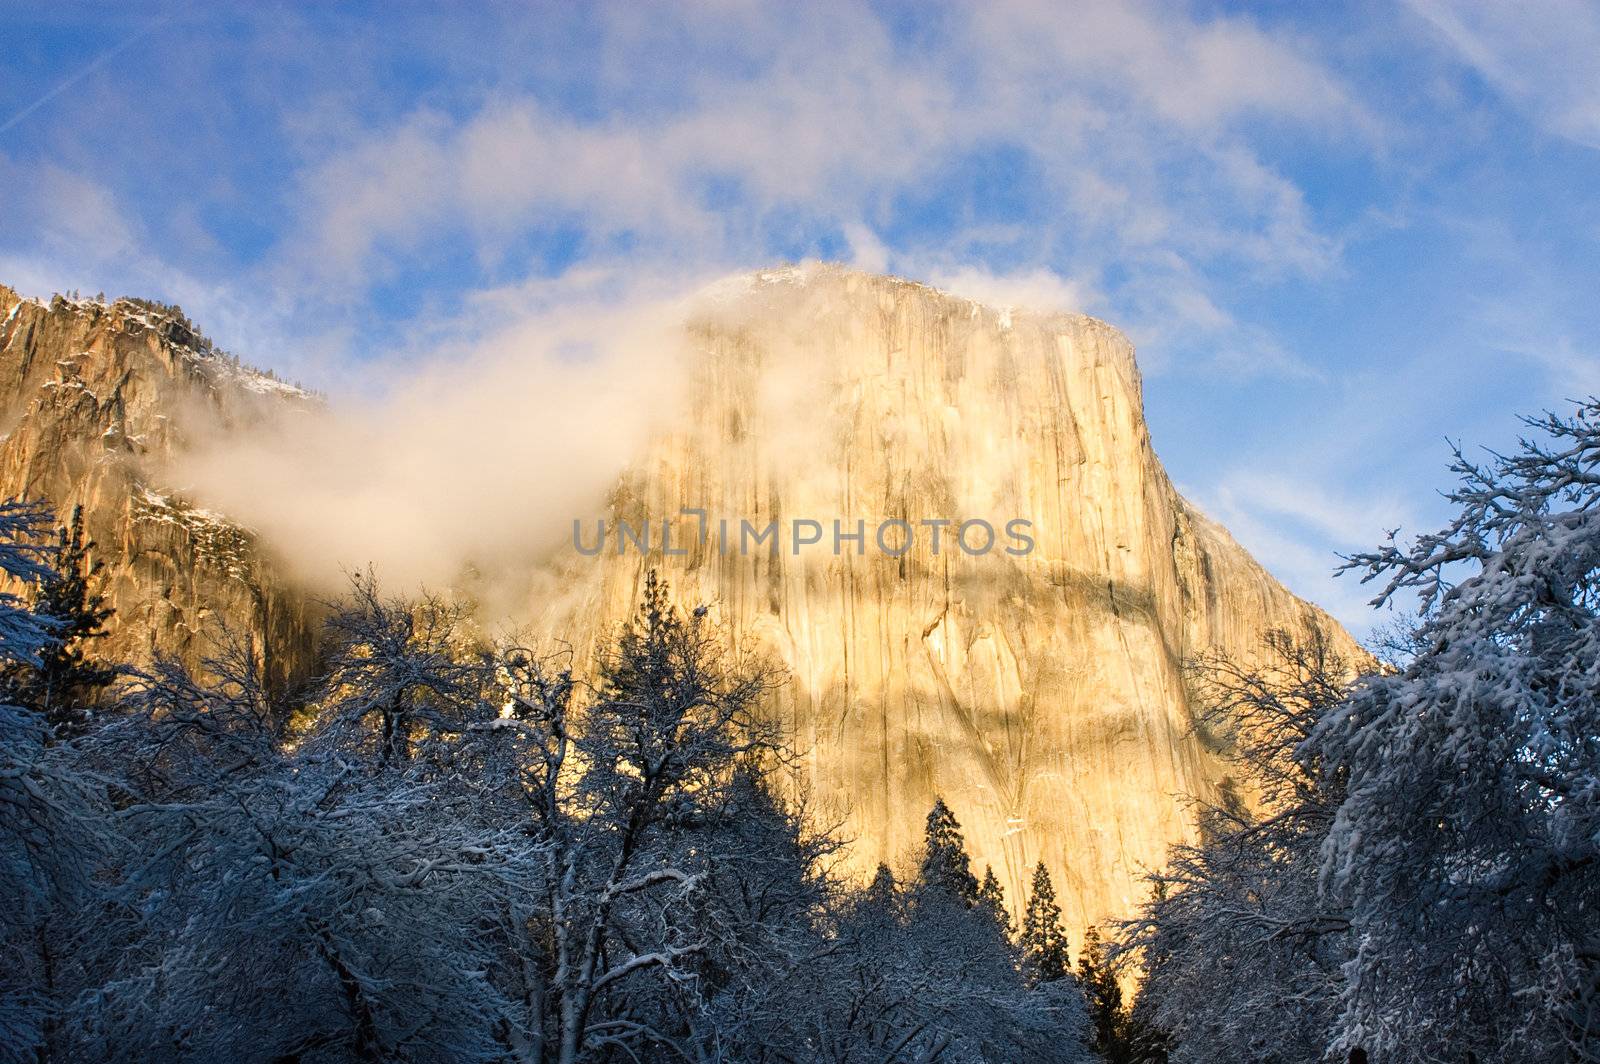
(1039, 691)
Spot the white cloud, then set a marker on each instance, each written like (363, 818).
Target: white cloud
(1540, 55)
(1199, 74)
(715, 135)
(1352, 521)
(866, 250)
(478, 457)
(1130, 121)
(1037, 288)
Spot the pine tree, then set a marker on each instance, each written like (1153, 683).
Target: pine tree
(1105, 1001)
(945, 865)
(1044, 940)
(992, 898)
(881, 891)
(66, 682)
(644, 660)
(1147, 1042)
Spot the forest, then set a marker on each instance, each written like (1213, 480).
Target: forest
(456, 847)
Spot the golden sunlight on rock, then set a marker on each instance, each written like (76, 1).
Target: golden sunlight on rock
(1042, 695)
(1040, 692)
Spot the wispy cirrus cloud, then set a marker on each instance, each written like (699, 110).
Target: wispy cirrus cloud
(1332, 245)
(1298, 528)
(1542, 56)
(1008, 140)
(1111, 144)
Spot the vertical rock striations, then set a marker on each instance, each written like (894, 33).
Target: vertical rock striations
(1041, 695)
(94, 398)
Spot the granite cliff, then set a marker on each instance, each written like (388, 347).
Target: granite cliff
(1041, 694)
(95, 398)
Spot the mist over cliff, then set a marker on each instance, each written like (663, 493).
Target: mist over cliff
(1042, 693)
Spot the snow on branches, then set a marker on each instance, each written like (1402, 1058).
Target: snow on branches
(1468, 845)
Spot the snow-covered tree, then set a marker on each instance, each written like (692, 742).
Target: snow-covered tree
(1044, 940)
(633, 795)
(458, 851)
(912, 974)
(971, 987)
(48, 824)
(288, 903)
(764, 909)
(50, 827)
(399, 674)
(1468, 846)
(66, 681)
(945, 864)
(26, 557)
(1241, 952)
(29, 876)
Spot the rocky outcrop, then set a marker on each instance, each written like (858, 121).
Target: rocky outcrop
(1042, 693)
(95, 397)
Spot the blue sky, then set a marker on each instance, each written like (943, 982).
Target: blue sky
(1338, 234)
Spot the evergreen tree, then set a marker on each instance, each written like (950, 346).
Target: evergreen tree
(1105, 1001)
(65, 682)
(992, 899)
(945, 865)
(881, 891)
(1147, 1041)
(1044, 941)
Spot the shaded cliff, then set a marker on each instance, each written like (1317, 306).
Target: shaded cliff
(95, 397)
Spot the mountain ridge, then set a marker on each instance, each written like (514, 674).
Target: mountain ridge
(95, 398)
(1043, 697)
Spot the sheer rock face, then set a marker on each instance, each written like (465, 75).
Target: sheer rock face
(94, 398)
(1041, 695)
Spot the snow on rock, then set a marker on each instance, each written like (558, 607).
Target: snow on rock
(98, 396)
